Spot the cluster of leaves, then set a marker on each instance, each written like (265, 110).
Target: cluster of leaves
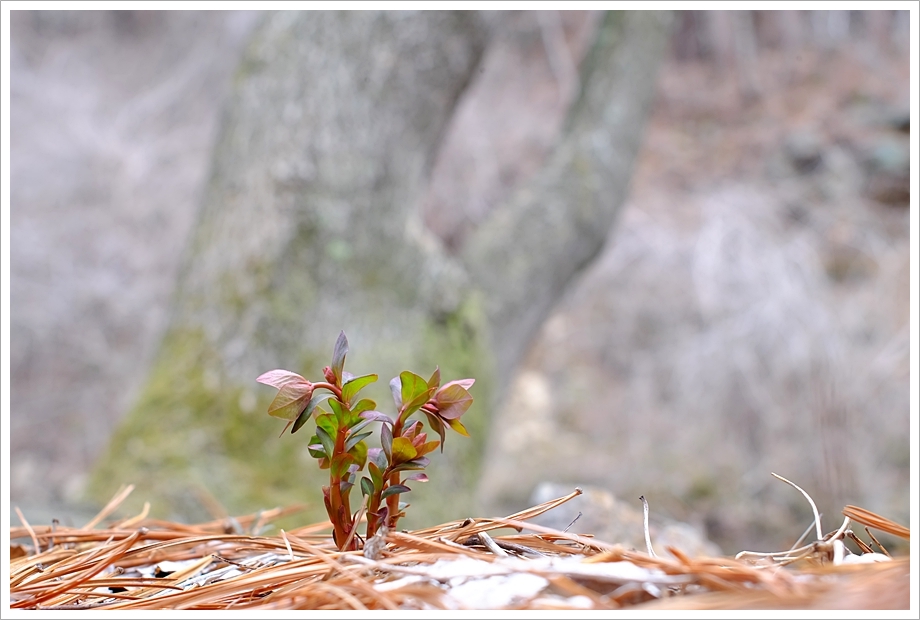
(342, 421)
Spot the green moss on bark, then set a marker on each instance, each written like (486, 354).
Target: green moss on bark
(195, 436)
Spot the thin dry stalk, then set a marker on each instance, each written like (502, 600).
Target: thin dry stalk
(870, 519)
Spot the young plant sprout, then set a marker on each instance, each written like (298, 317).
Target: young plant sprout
(342, 420)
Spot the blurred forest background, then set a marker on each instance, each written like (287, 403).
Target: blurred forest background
(749, 313)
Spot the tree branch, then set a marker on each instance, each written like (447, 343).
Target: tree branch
(523, 256)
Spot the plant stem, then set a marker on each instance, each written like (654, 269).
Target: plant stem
(339, 503)
(393, 500)
(332, 388)
(373, 505)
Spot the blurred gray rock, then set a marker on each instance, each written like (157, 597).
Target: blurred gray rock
(888, 170)
(803, 149)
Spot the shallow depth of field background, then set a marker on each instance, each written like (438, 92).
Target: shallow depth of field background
(750, 312)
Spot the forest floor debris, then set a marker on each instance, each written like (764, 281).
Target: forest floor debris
(142, 563)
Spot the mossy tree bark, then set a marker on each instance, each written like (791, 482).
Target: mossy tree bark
(310, 226)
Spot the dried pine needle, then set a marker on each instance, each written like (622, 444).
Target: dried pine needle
(870, 519)
(141, 563)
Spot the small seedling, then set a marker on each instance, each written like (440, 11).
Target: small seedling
(342, 420)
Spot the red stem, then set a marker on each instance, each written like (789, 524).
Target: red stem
(341, 510)
(332, 388)
(393, 500)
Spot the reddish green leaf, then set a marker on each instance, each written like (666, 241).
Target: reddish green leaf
(457, 426)
(402, 450)
(328, 423)
(360, 425)
(326, 440)
(386, 441)
(365, 404)
(353, 440)
(300, 421)
(351, 388)
(419, 463)
(418, 477)
(396, 391)
(279, 378)
(427, 447)
(347, 418)
(413, 388)
(436, 426)
(378, 457)
(383, 513)
(393, 489)
(453, 400)
(316, 448)
(435, 379)
(291, 400)
(464, 383)
(359, 451)
(311, 407)
(414, 406)
(337, 409)
(316, 401)
(412, 429)
(351, 419)
(378, 416)
(376, 474)
(340, 464)
(367, 487)
(338, 356)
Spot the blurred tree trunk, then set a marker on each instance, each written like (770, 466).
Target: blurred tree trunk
(310, 225)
